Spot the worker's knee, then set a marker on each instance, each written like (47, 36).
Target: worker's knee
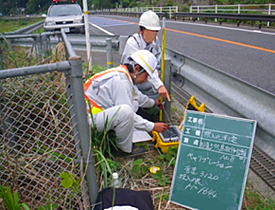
(127, 112)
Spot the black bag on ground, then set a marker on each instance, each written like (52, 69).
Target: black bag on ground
(124, 197)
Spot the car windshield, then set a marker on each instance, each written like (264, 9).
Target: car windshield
(62, 10)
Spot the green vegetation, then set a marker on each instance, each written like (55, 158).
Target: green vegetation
(13, 25)
(254, 201)
(10, 199)
(95, 69)
(102, 144)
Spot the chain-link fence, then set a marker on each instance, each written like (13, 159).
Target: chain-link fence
(40, 132)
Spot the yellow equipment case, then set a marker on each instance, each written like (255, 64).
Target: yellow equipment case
(171, 137)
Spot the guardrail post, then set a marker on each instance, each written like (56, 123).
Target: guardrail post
(122, 42)
(216, 11)
(109, 52)
(269, 13)
(167, 84)
(39, 45)
(45, 44)
(198, 11)
(82, 125)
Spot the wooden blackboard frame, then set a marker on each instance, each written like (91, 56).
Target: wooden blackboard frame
(213, 161)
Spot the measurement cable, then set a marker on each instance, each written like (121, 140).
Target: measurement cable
(166, 114)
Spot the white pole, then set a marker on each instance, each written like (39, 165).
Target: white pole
(216, 11)
(269, 13)
(87, 35)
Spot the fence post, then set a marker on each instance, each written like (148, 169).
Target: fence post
(82, 125)
(216, 11)
(39, 46)
(167, 84)
(198, 11)
(269, 12)
(45, 44)
(5, 120)
(122, 42)
(109, 52)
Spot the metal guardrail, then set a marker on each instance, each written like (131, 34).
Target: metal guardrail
(220, 17)
(225, 94)
(98, 42)
(235, 8)
(166, 10)
(130, 14)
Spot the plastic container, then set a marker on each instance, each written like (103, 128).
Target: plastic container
(116, 182)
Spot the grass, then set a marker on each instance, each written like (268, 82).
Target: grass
(12, 25)
(11, 200)
(254, 201)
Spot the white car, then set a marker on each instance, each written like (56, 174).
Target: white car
(67, 16)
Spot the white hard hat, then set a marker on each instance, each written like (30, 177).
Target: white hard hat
(149, 20)
(145, 59)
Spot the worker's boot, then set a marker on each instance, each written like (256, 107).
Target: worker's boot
(136, 151)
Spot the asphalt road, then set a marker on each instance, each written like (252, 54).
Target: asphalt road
(244, 52)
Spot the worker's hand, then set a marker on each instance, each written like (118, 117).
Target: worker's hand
(160, 127)
(163, 92)
(157, 101)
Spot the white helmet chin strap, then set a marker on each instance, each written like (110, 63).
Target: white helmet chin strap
(140, 72)
(133, 63)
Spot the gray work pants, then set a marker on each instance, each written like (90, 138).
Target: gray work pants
(121, 120)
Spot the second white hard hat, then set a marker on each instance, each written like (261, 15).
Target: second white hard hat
(149, 20)
(145, 59)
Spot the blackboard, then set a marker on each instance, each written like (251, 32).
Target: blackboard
(213, 161)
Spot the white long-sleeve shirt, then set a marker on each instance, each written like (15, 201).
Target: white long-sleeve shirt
(114, 87)
(136, 42)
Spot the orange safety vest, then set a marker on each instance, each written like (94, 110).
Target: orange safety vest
(94, 107)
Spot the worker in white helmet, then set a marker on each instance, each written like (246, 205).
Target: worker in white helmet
(147, 39)
(109, 95)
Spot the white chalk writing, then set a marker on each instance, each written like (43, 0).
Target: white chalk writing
(232, 150)
(205, 191)
(194, 180)
(209, 161)
(208, 192)
(221, 137)
(195, 120)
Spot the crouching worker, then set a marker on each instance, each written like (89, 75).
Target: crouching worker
(113, 96)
